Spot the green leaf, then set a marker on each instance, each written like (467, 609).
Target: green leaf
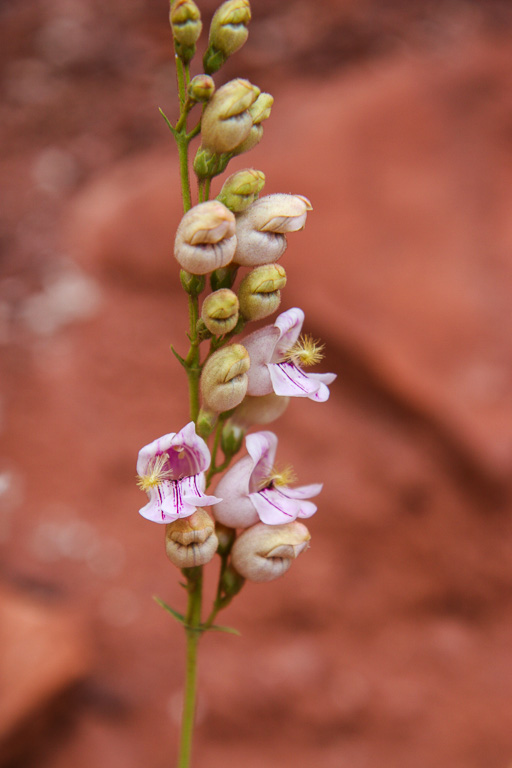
(169, 125)
(178, 357)
(178, 616)
(229, 630)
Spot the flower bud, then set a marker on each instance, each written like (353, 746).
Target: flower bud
(220, 311)
(207, 164)
(224, 378)
(205, 239)
(186, 27)
(226, 120)
(191, 541)
(241, 189)
(259, 293)
(231, 438)
(228, 32)
(259, 111)
(259, 410)
(261, 229)
(201, 88)
(192, 284)
(265, 552)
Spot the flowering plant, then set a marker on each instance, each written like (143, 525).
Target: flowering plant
(252, 520)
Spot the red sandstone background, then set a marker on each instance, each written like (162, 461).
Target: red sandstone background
(390, 643)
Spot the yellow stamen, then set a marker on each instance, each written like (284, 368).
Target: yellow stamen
(305, 352)
(279, 477)
(156, 473)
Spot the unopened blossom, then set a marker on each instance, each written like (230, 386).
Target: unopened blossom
(259, 294)
(278, 356)
(224, 379)
(241, 189)
(261, 229)
(264, 553)
(220, 311)
(191, 541)
(171, 471)
(259, 112)
(254, 490)
(228, 32)
(206, 238)
(226, 120)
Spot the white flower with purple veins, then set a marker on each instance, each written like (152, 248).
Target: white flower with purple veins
(171, 471)
(278, 355)
(253, 490)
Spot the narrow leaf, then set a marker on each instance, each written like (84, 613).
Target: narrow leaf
(178, 616)
(169, 125)
(229, 630)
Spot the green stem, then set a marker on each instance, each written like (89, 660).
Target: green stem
(195, 587)
(192, 361)
(183, 142)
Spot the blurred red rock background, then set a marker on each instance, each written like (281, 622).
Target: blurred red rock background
(390, 642)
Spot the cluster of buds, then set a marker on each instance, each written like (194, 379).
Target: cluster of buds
(253, 521)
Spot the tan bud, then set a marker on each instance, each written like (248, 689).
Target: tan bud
(262, 227)
(191, 541)
(186, 27)
(226, 120)
(205, 239)
(260, 109)
(220, 311)
(224, 378)
(201, 88)
(259, 410)
(241, 189)
(228, 32)
(260, 291)
(265, 552)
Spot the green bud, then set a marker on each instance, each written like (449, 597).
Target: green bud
(206, 422)
(186, 27)
(241, 189)
(259, 294)
(226, 537)
(232, 438)
(201, 88)
(192, 284)
(207, 164)
(228, 32)
(202, 330)
(224, 277)
(231, 582)
(220, 311)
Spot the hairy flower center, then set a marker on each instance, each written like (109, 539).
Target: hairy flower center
(279, 478)
(305, 352)
(156, 473)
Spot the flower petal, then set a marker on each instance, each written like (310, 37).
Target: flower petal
(289, 324)
(261, 447)
(288, 379)
(304, 491)
(196, 456)
(235, 508)
(151, 450)
(260, 345)
(274, 507)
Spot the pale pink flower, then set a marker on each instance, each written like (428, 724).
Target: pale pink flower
(252, 490)
(277, 355)
(171, 471)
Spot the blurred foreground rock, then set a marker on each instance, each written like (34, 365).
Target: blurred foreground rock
(44, 653)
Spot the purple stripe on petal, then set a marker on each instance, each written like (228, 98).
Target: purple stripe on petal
(289, 380)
